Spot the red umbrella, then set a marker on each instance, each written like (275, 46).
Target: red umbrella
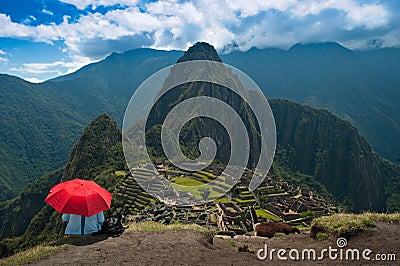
(82, 197)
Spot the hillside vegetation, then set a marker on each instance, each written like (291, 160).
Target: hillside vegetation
(41, 122)
(348, 225)
(96, 156)
(360, 87)
(315, 149)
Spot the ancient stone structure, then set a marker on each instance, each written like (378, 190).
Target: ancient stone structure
(274, 199)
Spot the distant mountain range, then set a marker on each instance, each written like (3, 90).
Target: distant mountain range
(359, 86)
(41, 122)
(315, 149)
(312, 142)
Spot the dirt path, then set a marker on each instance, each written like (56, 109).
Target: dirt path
(188, 247)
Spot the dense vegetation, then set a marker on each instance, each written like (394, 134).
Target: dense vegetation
(315, 150)
(314, 145)
(318, 144)
(391, 172)
(17, 213)
(96, 156)
(359, 86)
(35, 134)
(41, 122)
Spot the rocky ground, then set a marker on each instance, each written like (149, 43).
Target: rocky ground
(189, 247)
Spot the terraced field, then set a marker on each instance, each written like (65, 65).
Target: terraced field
(129, 197)
(274, 199)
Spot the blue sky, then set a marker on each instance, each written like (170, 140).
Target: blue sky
(41, 39)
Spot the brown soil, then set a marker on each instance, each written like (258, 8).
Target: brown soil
(188, 247)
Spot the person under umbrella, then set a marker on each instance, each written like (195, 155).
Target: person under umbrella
(82, 203)
(82, 225)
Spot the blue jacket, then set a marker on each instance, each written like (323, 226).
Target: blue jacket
(81, 225)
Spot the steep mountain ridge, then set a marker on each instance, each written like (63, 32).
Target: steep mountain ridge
(360, 86)
(96, 156)
(318, 144)
(92, 148)
(35, 134)
(200, 127)
(17, 213)
(41, 122)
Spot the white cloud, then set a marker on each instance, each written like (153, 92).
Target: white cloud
(29, 19)
(57, 67)
(3, 60)
(48, 12)
(173, 24)
(11, 29)
(252, 8)
(82, 4)
(370, 16)
(34, 80)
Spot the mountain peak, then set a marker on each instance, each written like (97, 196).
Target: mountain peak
(200, 51)
(331, 46)
(92, 149)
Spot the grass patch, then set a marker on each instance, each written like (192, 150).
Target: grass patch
(276, 194)
(206, 173)
(302, 227)
(152, 200)
(231, 242)
(222, 199)
(120, 173)
(154, 226)
(261, 212)
(193, 186)
(245, 201)
(30, 255)
(347, 225)
(186, 181)
(246, 193)
(308, 214)
(297, 196)
(204, 177)
(322, 236)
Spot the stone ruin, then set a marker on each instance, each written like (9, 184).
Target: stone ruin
(275, 198)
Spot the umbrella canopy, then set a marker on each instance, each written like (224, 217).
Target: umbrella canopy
(82, 197)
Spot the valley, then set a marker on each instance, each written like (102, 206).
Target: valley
(322, 75)
(322, 166)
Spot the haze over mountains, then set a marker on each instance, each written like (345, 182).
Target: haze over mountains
(361, 87)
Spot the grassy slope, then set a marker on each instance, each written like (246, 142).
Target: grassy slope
(347, 225)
